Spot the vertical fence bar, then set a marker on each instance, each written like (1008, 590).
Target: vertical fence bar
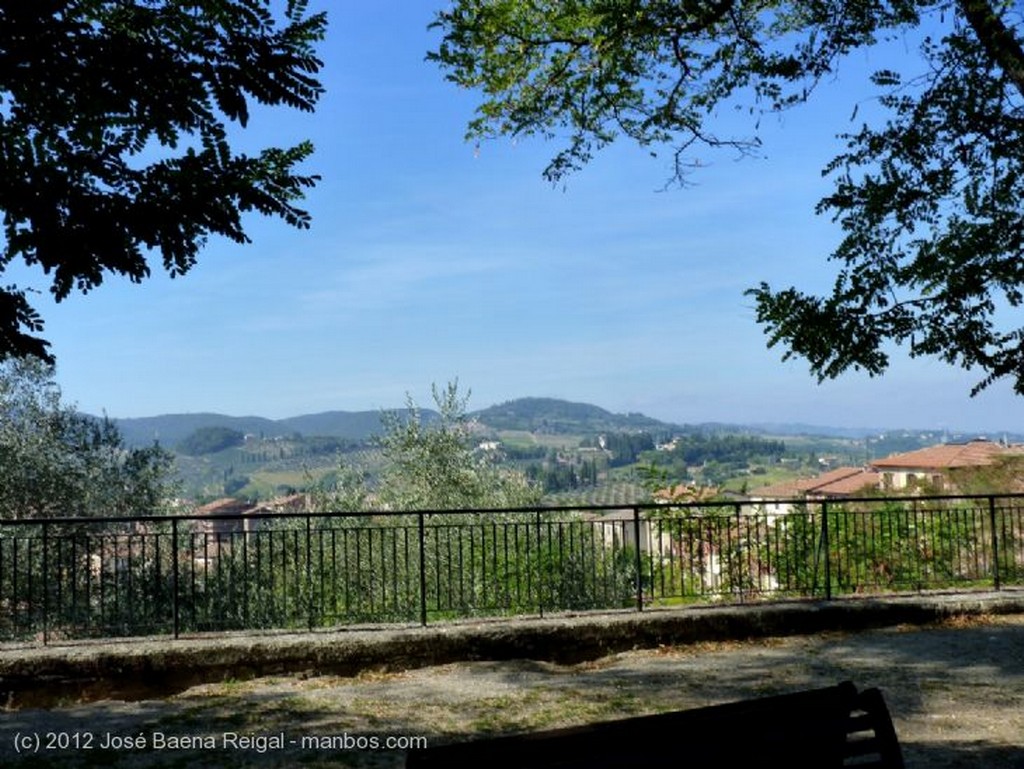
(175, 610)
(46, 584)
(826, 547)
(541, 580)
(995, 541)
(30, 606)
(742, 535)
(423, 568)
(309, 572)
(638, 561)
(45, 595)
(4, 579)
(14, 581)
(396, 602)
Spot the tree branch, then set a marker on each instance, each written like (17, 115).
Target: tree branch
(708, 17)
(998, 40)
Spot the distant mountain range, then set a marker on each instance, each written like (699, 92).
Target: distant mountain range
(171, 429)
(542, 415)
(547, 415)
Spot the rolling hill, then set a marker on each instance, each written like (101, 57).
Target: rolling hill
(171, 429)
(552, 415)
(543, 415)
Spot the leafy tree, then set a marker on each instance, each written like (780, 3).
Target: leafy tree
(209, 440)
(625, 448)
(344, 490)
(432, 466)
(929, 200)
(429, 464)
(697, 448)
(114, 136)
(55, 461)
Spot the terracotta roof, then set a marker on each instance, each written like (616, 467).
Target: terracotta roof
(851, 484)
(842, 480)
(781, 490)
(684, 492)
(946, 455)
(833, 476)
(224, 506)
(625, 514)
(293, 503)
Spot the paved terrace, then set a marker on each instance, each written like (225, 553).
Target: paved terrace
(951, 667)
(152, 667)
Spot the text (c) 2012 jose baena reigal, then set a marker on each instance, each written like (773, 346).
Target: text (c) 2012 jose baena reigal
(259, 743)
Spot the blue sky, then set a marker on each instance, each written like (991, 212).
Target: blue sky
(430, 259)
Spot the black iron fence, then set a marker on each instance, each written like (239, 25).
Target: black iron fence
(65, 578)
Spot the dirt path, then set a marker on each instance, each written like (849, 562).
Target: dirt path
(956, 692)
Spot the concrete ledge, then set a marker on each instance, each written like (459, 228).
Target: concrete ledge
(33, 676)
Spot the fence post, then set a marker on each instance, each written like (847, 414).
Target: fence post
(639, 560)
(737, 509)
(540, 569)
(46, 584)
(309, 570)
(423, 570)
(174, 577)
(995, 541)
(826, 548)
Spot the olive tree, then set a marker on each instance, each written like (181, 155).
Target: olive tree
(431, 462)
(55, 461)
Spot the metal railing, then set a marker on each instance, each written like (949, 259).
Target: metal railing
(66, 578)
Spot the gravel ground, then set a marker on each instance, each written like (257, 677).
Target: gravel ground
(955, 690)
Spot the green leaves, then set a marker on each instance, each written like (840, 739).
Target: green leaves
(55, 461)
(929, 201)
(886, 78)
(114, 137)
(653, 71)
(16, 313)
(585, 70)
(931, 209)
(431, 464)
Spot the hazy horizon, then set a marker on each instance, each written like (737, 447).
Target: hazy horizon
(963, 433)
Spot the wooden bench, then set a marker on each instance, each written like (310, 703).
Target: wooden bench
(831, 727)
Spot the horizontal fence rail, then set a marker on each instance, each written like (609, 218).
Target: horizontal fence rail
(73, 578)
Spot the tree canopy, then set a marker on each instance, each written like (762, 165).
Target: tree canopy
(114, 145)
(210, 440)
(55, 461)
(433, 466)
(429, 464)
(929, 200)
